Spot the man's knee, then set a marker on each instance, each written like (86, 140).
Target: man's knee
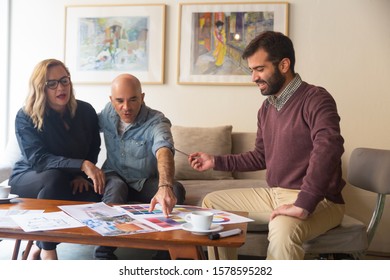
(284, 229)
(285, 237)
(115, 191)
(208, 200)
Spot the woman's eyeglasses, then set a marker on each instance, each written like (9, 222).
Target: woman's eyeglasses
(53, 84)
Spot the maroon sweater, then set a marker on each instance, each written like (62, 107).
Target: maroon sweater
(300, 146)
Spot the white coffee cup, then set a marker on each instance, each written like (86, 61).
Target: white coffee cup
(200, 220)
(5, 191)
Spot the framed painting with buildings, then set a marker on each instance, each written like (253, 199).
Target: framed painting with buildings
(106, 40)
(212, 37)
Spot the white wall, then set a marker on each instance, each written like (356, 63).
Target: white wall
(4, 51)
(343, 46)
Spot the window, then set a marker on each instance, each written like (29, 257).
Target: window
(4, 67)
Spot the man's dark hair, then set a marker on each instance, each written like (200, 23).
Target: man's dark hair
(276, 44)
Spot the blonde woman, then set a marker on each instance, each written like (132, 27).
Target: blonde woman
(60, 142)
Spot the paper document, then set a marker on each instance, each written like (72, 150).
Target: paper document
(46, 221)
(6, 220)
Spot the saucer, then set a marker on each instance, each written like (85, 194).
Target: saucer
(8, 199)
(188, 227)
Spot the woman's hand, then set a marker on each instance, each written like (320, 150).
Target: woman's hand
(79, 184)
(95, 174)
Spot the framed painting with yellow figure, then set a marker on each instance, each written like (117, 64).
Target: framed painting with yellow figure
(212, 37)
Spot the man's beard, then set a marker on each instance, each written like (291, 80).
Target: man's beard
(274, 84)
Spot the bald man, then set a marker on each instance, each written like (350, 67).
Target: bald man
(139, 165)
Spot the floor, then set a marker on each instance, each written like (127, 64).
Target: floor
(68, 251)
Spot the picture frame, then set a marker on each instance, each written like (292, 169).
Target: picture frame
(212, 37)
(103, 41)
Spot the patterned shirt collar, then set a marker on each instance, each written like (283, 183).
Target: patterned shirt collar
(281, 100)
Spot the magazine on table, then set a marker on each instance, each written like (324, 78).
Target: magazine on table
(106, 220)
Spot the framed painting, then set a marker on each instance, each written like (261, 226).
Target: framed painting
(106, 40)
(212, 37)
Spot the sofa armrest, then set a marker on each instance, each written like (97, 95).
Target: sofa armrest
(5, 172)
(8, 157)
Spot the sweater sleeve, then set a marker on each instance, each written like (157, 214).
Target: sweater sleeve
(323, 176)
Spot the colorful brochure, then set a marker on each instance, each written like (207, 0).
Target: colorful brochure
(105, 219)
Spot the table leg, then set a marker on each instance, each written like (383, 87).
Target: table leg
(16, 249)
(187, 252)
(216, 253)
(27, 250)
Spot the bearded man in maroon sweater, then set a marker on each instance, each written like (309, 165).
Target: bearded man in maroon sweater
(298, 143)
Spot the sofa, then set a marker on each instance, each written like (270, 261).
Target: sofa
(213, 140)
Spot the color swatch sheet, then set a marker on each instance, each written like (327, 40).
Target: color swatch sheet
(157, 220)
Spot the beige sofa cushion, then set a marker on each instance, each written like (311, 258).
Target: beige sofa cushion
(213, 140)
(243, 142)
(196, 190)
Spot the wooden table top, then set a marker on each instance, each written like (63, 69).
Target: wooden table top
(85, 235)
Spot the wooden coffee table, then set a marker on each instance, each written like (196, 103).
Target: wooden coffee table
(180, 244)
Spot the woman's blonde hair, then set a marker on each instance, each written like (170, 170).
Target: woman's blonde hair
(36, 101)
